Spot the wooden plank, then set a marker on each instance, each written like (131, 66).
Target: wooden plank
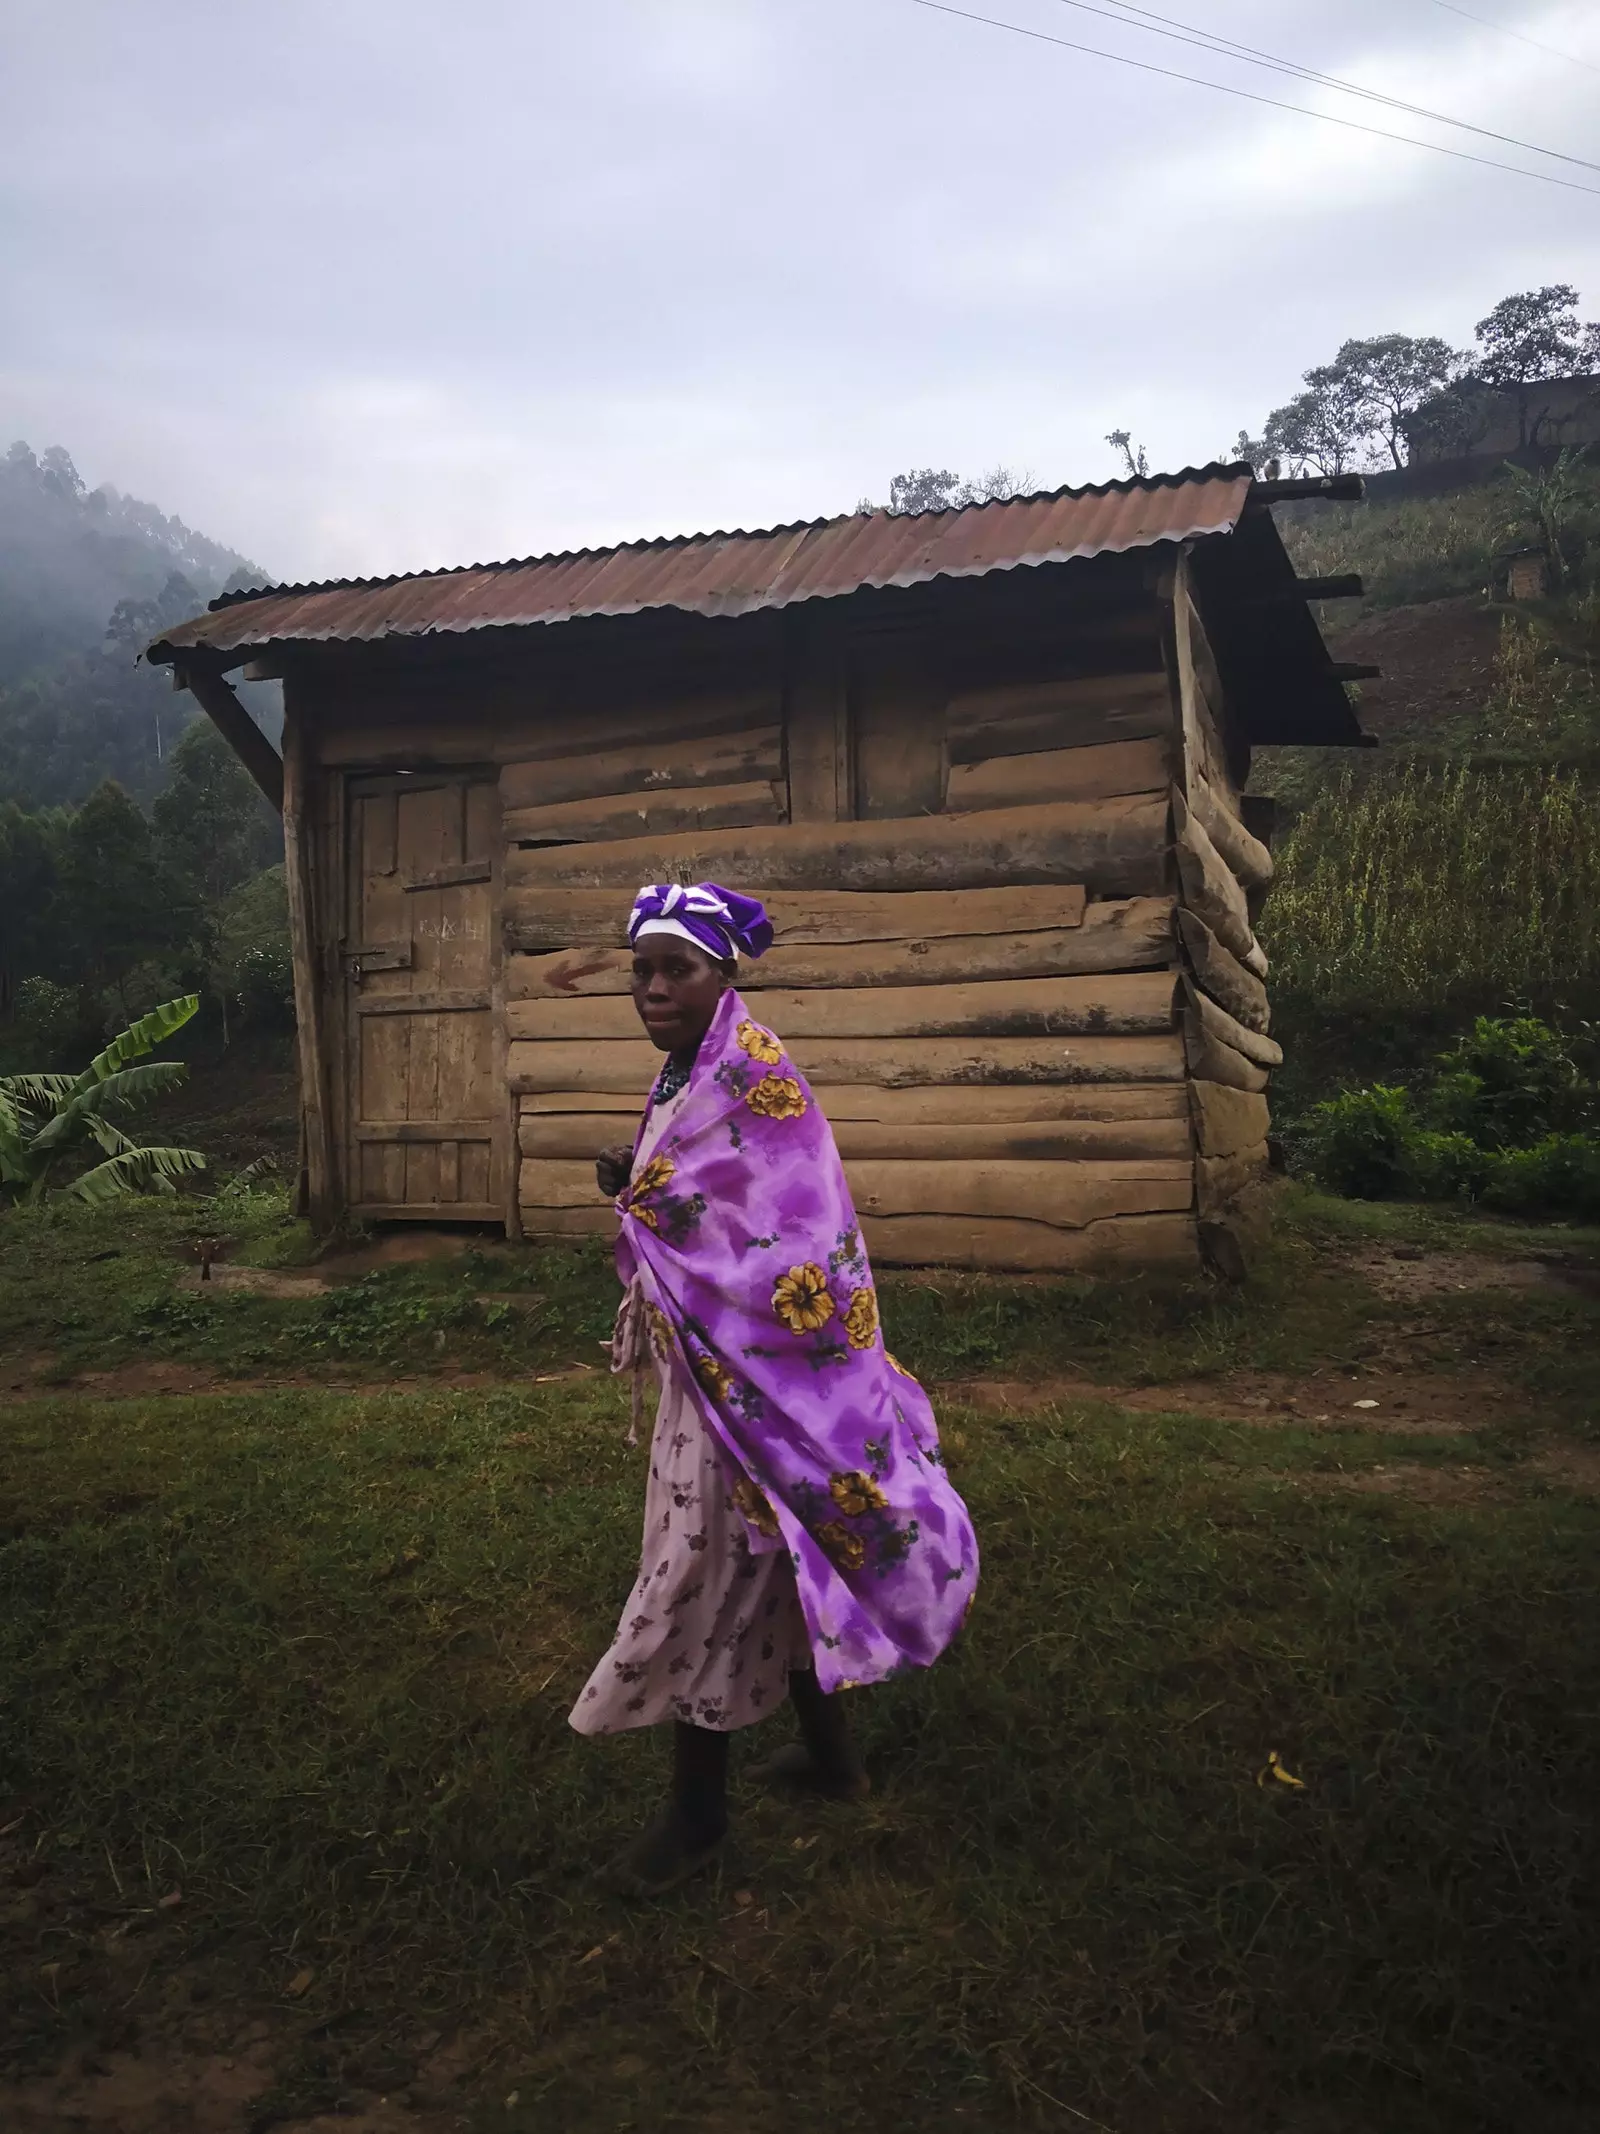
(409, 1211)
(543, 919)
(817, 719)
(579, 1137)
(1227, 1120)
(1209, 887)
(1209, 1060)
(1114, 847)
(1067, 1195)
(1217, 1023)
(395, 745)
(1021, 718)
(568, 1222)
(641, 815)
(448, 1000)
(1222, 975)
(452, 877)
(316, 1120)
(1246, 857)
(654, 765)
(645, 712)
(897, 714)
(1116, 1245)
(630, 1065)
(423, 1129)
(1221, 1181)
(990, 1104)
(1105, 772)
(1122, 1004)
(1121, 936)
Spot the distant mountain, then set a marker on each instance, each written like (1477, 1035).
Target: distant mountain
(87, 577)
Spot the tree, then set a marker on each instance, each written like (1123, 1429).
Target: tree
(1390, 377)
(1525, 339)
(1136, 462)
(1546, 500)
(210, 818)
(29, 866)
(937, 489)
(1320, 428)
(123, 903)
(46, 1119)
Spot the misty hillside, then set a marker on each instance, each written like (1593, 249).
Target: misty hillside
(87, 577)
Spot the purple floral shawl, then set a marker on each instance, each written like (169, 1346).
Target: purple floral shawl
(741, 1234)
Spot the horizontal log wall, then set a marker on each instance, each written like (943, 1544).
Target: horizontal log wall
(965, 844)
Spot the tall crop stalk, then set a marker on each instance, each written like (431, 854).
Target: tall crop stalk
(1424, 886)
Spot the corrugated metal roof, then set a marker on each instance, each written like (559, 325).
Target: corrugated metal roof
(729, 573)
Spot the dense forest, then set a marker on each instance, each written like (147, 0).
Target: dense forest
(136, 858)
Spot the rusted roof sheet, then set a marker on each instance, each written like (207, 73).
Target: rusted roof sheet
(728, 573)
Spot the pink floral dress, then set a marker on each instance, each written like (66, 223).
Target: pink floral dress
(712, 1629)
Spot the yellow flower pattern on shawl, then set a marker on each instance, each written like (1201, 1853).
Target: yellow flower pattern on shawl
(861, 1320)
(661, 1336)
(760, 1044)
(801, 1299)
(755, 1506)
(847, 1550)
(777, 1096)
(856, 1494)
(659, 1171)
(714, 1375)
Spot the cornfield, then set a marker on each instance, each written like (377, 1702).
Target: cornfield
(1426, 888)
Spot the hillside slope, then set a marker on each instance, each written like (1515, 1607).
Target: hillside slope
(87, 576)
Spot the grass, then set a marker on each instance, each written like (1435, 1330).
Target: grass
(1426, 548)
(309, 1656)
(306, 1653)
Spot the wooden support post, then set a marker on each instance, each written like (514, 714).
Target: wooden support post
(217, 700)
(310, 1021)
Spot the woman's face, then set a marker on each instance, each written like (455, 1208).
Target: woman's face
(676, 988)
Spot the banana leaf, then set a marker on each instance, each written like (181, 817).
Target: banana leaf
(137, 1170)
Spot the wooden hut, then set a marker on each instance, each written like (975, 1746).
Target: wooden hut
(985, 766)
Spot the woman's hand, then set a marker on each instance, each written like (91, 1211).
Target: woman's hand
(613, 1168)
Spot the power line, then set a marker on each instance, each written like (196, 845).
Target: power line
(1229, 48)
(1520, 35)
(1251, 96)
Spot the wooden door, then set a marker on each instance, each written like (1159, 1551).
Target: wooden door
(427, 1138)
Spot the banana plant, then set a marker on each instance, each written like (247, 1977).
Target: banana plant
(47, 1119)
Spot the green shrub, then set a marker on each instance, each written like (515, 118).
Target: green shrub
(1445, 1166)
(1557, 1176)
(1509, 1083)
(1359, 1144)
(1500, 1121)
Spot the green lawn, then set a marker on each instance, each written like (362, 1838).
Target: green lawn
(306, 1654)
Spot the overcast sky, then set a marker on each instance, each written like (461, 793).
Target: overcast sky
(368, 285)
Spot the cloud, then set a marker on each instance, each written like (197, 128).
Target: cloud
(356, 285)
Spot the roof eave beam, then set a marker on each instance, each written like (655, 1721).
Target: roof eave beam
(216, 697)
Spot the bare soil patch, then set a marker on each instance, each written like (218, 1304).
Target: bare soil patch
(1409, 1273)
(1437, 659)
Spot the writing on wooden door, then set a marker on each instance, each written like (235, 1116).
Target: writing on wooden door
(425, 1135)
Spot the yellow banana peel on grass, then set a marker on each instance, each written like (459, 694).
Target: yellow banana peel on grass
(1274, 1768)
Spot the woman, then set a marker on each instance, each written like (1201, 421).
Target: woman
(800, 1531)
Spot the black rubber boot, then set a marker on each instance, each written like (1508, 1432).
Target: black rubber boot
(688, 1833)
(824, 1759)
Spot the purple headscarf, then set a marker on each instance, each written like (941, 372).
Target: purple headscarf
(721, 921)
